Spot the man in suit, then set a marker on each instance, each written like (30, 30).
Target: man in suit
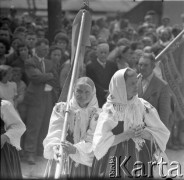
(101, 71)
(39, 99)
(153, 89)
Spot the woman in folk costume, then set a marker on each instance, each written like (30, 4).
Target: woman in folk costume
(127, 126)
(82, 123)
(12, 128)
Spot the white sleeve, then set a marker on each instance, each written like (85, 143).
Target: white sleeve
(155, 126)
(13, 124)
(55, 130)
(103, 137)
(84, 154)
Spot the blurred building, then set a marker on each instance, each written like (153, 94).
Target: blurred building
(134, 10)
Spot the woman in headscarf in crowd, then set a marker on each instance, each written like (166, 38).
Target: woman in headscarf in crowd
(82, 123)
(127, 126)
(12, 128)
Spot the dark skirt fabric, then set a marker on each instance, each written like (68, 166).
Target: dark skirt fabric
(74, 171)
(79, 170)
(120, 162)
(10, 162)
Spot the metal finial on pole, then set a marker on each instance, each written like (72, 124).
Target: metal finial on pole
(86, 2)
(86, 5)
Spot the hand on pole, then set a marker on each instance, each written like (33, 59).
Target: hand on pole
(56, 153)
(68, 147)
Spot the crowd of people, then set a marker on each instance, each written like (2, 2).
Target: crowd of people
(121, 104)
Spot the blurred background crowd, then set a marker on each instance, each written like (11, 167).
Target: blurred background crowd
(25, 36)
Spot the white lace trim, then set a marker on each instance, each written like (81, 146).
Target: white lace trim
(121, 113)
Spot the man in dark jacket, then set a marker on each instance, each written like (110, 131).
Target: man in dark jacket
(101, 71)
(39, 98)
(153, 89)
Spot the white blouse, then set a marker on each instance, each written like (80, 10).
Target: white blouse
(84, 154)
(14, 126)
(108, 119)
(8, 91)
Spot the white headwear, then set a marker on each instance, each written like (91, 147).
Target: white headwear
(117, 88)
(82, 114)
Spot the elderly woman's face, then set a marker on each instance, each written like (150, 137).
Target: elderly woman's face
(131, 85)
(102, 52)
(83, 94)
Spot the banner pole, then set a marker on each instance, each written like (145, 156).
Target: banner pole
(60, 166)
(169, 45)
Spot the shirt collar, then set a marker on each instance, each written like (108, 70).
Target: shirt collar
(101, 63)
(39, 58)
(149, 77)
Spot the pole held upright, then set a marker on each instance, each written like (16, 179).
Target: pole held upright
(60, 169)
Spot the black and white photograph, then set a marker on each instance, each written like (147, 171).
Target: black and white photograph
(92, 89)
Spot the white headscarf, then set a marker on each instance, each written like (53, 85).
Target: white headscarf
(79, 127)
(129, 111)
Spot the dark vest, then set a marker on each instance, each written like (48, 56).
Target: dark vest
(119, 128)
